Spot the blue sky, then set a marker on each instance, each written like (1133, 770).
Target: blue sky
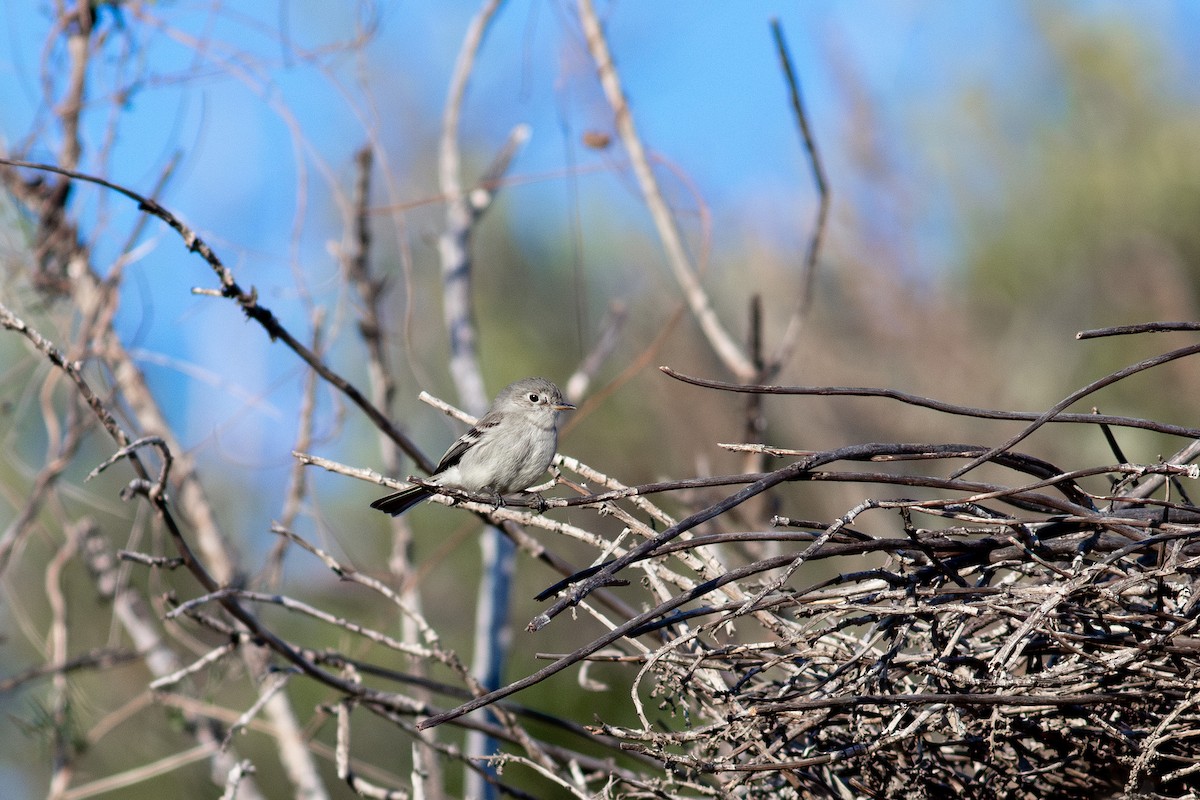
(702, 77)
(703, 80)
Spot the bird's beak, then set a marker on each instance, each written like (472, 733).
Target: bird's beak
(564, 406)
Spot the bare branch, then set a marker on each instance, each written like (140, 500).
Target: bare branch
(248, 301)
(719, 339)
(1077, 395)
(792, 333)
(935, 405)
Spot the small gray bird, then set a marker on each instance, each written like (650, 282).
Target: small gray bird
(506, 451)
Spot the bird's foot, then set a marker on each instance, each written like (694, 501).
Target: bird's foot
(534, 501)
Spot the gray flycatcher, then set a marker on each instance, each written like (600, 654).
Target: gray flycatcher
(506, 451)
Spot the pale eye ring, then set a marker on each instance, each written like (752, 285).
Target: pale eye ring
(533, 397)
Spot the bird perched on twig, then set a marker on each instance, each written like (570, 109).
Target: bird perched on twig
(506, 451)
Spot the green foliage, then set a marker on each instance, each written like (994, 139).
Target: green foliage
(1090, 210)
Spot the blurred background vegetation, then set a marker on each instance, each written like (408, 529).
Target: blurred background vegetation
(988, 202)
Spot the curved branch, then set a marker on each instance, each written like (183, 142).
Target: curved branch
(249, 304)
(722, 343)
(931, 403)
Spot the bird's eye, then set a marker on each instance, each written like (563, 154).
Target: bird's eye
(533, 398)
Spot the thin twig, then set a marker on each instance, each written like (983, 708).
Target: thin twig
(935, 405)
(248, 301)
(791, 333)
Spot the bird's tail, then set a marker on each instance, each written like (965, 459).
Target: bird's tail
(398, 503)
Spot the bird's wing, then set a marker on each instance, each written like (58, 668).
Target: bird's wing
(466, 441)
